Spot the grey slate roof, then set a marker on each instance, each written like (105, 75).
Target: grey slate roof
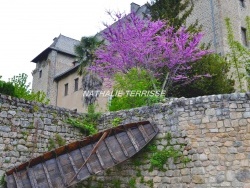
(66, 73)
(61, 44)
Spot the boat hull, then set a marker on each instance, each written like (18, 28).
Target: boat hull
(79, 160)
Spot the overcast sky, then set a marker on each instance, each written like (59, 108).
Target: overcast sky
(29, 26)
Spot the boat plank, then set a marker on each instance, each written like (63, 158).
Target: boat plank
(122, 146)
(154, 127)
(18, 181)
(54, 173)
(74, 166)
(92, 160)
(127, 143)
(105, 155)
(133, 140)
(23, 176)
(100, 159)
(78, 161)
(11, 181)
(87, 163)
(32, 178)
(144, 134)
(39, 174)
(110, 151)
(116, 148)
(61, 171)
(138, 136)
(47, 175)
(67, 167)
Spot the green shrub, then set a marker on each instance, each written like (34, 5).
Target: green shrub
(116, 121)
(116, 183)
(134, 80)
(18, 87)
(60, 141)
(39, 96)
(56, 142)
(238, 56)
(7, 88)
(52, 144)
(132, 183)
(218, 83)
(87, 124)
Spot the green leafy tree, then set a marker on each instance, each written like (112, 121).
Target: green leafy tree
(238, 56)
(175, 12)
(86, 52)
(21, 86)
(85, 56)
(39, 96)
(217, 83)
(22, 89)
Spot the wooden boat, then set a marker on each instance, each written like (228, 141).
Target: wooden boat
(77, 161)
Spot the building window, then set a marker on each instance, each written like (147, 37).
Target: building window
(40, 74)
(76, 84)
(242, 3)
(244, 36)
(66, 89)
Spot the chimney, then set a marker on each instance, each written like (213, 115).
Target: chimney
(134, 7)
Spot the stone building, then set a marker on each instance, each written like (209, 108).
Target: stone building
(211, 15)
(56, 69)
(54, 60)
(56, 75)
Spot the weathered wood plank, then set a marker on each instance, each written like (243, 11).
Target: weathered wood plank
(87, 163)
(91, 153)
(110, 151)
(61, 171)
(32, 178)
(18, 181)
(47, 175)
(11, 181)
(149, 130)
(74, 166)
(122, 146)
(155, 128)
(133, 140)
(144, 134)
(100, 159)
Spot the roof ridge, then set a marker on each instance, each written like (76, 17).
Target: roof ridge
(54, 42)
(68, 37)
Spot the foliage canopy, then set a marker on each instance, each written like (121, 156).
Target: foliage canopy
(174, 12)
(217, 83)
(141, 43)
(18, 87)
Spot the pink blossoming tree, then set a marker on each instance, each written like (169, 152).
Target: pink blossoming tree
(133, 42)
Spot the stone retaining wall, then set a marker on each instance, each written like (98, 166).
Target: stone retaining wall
(18, 122)
(212, 131)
